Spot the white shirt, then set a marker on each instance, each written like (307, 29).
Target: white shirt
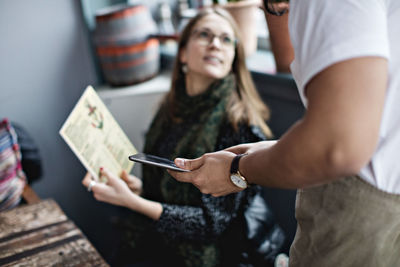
(324, 32)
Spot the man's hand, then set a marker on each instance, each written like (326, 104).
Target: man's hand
(210, 173)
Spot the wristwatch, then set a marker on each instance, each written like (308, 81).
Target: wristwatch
(236, 178)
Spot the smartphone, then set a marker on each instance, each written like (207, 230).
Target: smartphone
(156, 161)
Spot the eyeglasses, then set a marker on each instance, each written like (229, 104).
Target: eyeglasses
(277, 7)
(206, 37)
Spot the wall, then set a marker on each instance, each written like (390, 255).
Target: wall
(45, 65)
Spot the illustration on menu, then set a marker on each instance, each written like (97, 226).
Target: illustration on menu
(95, 136)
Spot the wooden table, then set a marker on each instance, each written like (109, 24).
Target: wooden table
(41, 235)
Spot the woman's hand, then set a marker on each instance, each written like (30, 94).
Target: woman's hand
(115, 191)
(123, 192)
(134, 183)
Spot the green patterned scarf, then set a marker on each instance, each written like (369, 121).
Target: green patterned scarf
(196, 133)
(203, 112)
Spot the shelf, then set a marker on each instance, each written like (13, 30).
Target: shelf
(156, 85)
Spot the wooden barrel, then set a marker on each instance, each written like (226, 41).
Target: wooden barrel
(126, 53)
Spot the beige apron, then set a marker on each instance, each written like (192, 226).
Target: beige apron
(346, 223)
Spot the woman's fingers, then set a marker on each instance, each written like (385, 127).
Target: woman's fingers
(125, 177)
(110, 178)
(134, 183)
(130, 180)
(86, 180)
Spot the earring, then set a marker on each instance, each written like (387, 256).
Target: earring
(184, 68)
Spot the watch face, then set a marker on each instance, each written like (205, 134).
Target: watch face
(238, 181)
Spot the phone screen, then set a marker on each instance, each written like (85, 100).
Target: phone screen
(156, 161)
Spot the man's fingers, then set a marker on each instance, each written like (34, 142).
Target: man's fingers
(185, 177)
(239, 149)
(189, 164)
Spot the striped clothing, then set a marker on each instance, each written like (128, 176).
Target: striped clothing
(12, 178)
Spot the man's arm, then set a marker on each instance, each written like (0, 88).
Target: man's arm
(338, 134)
(281, 46)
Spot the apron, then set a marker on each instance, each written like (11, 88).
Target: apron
(346, 223)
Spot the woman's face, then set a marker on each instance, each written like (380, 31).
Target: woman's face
(210, 50)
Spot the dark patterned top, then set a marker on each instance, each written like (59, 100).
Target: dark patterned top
(214, 214)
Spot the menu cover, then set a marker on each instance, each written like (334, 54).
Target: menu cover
(95, 136)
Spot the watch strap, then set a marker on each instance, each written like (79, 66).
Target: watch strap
(235, 163)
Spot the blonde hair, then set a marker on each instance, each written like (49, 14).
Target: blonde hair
(245, 104)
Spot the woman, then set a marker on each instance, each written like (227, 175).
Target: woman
(212, 105)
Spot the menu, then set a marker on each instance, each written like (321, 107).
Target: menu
(95, 137)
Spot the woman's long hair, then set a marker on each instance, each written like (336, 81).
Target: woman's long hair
(245, 104)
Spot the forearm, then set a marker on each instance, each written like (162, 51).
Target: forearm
(147, 207)
(334, 139)
(294, 162)
(280, 41)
